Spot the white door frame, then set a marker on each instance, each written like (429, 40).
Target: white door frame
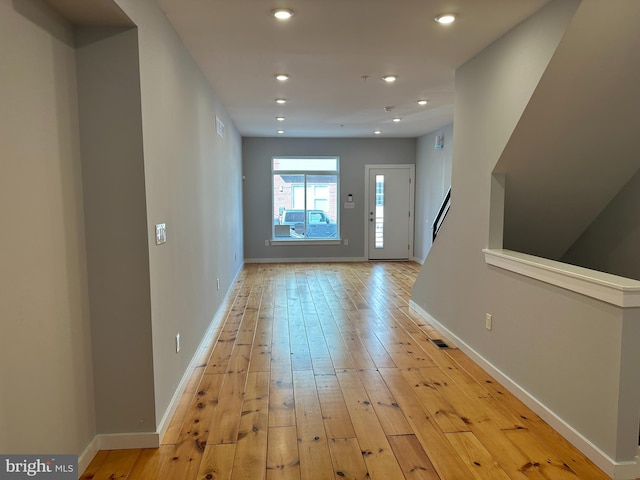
(412, 182)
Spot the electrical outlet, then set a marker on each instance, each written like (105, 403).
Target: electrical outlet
(346, 241)
(178, 343)
(488, 321)
(266, 243)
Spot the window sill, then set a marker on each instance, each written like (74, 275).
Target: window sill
(619, 291)
(294, 241)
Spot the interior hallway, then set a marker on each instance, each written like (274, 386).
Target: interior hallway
(321, 371)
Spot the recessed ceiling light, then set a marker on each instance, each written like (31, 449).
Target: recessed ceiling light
(280, 132)
(397, 119)
(282, 13)
(422, 102)
(281, 100)
(446, 18)
(377, 132)
(390, 78)
(282, 77)
(280, 119)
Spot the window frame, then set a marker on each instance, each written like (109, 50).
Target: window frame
(305, 173)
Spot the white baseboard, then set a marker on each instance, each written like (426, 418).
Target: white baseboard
(116, 441)
(616, 470)
(306, 260)
(84, 459)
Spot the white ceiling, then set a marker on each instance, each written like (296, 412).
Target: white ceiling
(327, 47)
(336, 52)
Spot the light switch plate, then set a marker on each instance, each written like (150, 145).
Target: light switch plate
(161, 233)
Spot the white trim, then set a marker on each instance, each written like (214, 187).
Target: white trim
(305, 260)
(116, 441)
(84, 459)
(305, 242)
(619, 291)
(616, 470)
(417, 260)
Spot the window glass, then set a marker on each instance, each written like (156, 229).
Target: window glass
(305, 198)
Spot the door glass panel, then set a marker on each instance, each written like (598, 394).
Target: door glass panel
(379, 220)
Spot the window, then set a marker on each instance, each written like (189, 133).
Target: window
(379, 218)
(305, 198)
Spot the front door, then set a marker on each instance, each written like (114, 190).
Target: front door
(390, 211)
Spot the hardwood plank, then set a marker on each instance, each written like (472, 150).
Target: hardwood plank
(346, 456)
(323, 363)
(512, 461)
(385, 405)
(184, 461)
(94, 465)
(247, 330)
(315, 459)
(117, 464)
(182, 410)
(549, 463)
(434, 401)
(533, 423)
(217, 462)
(221, 354)
(444, 458)
(320, 357)
(281, 401)
(472, 409)
(199, 421)
(337, 422)
(280, 349)
(261, 348)
(378, 456)
(225, 420)
(363, 324)
(412, 458)
(480, 462)
(300, 355)
(250, 460)
(150, 463)
(186, 455)
(358, 352)
(338, 350)
(283, 461)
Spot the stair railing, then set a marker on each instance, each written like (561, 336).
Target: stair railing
(444, 209)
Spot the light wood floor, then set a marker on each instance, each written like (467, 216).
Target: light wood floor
(320, 371)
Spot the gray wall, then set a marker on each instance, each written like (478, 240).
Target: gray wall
(543, 337)
(577, 144)
(354, 155)
(138, 136)
(46, 378)
(433, 179)
(115, 221)
(610, 244)
(193, 184)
